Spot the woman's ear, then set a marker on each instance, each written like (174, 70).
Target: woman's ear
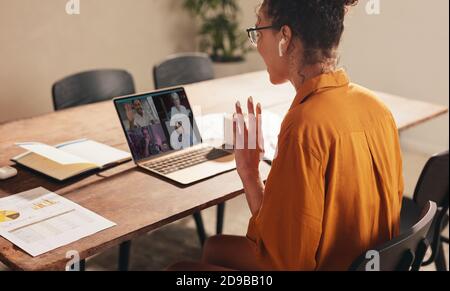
(286, 32)
(286, 37)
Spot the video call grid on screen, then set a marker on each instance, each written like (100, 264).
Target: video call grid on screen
(146, 120)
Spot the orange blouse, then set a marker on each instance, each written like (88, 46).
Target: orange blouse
(335, 188)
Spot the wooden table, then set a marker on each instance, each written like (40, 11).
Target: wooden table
(138, 201)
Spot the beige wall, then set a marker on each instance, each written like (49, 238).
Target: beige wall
(40, 44)
(404, 50)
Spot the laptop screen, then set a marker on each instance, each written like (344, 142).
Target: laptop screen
(158, 123)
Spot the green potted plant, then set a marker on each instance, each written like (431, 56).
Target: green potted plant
(221, 36)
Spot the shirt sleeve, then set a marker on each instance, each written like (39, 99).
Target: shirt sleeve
(288, 228)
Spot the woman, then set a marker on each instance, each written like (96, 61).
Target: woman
(335, 187)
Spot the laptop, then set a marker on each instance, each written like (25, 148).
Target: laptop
(163, 137)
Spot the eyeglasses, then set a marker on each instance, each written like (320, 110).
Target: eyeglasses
(254, 34)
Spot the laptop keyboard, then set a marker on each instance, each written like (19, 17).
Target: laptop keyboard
(183, 161)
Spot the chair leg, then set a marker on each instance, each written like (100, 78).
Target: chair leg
(82, 265)
(124, 256)
(200, 228)
(441, 264)
(220, 217)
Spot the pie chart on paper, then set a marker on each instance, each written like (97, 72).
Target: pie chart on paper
(6, 215)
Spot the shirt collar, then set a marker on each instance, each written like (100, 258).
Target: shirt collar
(335, 79)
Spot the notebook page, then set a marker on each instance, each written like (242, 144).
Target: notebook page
(54, 154)
(97, 153)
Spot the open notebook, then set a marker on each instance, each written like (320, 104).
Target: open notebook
(70, 159)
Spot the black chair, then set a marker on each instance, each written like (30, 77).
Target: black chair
(182, 69)
(433, 185)
(90, 87)
(406, 252)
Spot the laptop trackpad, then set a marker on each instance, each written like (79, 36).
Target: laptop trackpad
(204, 170)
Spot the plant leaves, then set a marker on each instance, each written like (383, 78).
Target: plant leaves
(221, 35)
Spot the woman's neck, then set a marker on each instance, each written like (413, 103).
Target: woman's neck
(307, 73)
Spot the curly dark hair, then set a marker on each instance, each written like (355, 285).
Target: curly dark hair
(318, 23)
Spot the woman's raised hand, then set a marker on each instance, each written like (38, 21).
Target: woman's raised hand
(248, 140)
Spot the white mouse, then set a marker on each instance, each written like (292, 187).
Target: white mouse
(7, 172)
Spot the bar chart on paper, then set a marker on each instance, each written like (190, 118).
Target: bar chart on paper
(39, 221)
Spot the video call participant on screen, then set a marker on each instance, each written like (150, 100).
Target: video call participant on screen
(177, 108)
(151, 146)
(137, 116)
(177, 111)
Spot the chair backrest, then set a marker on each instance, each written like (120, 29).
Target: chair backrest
(406, 252)
(182, 69)
(433, 184)
(90, 87)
